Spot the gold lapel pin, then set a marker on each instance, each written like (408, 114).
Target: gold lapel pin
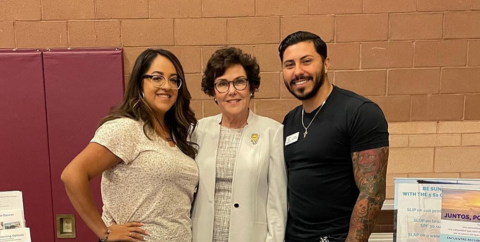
(254, 138)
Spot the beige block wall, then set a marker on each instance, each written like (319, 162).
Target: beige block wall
(418, 59)
(438, 149)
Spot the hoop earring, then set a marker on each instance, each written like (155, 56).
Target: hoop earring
(143, 95)
(215, 100)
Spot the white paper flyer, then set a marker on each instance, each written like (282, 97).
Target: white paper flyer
(418, 203)
(460, 215)
(15, 235)
(11, 200)
(12, 219)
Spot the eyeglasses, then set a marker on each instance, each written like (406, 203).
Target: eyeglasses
(223, 85)
(159, 81)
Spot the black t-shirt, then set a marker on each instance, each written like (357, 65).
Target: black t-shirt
(321, 185)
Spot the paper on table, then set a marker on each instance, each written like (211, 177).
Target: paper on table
(11, 200)
(12, 219)
(15, 235)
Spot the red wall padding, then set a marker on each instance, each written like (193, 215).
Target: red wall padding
(81, 86)
(24, 163)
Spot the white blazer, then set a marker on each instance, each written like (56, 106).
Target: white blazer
(259, 186)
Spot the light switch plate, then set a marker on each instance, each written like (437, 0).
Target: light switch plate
(66, 226)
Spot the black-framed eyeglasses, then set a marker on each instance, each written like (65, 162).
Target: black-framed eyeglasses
(159, 81)
(223, 85)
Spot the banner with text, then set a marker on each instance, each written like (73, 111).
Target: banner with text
(418, 205)
(460, 215)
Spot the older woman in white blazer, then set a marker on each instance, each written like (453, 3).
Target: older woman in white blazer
(242, 193)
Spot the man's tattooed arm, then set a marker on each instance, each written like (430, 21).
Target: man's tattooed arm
(370, 170)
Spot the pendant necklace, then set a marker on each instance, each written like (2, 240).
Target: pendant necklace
(311, 121)
(167, 138)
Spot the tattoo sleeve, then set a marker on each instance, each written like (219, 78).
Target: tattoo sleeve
(370, 170)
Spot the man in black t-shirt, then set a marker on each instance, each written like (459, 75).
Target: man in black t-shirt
(336, 150)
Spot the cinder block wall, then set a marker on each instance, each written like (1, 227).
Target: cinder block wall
(418, 59)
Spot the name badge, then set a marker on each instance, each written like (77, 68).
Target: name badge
(291, 139)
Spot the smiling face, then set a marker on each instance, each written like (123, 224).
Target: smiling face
(160, 99)
(303, 70)
(233, 102)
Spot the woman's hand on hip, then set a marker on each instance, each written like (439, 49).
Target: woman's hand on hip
(127, 232)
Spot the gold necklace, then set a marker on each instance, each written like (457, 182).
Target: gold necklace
(311, 121)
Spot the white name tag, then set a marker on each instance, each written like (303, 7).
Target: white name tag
(291, 139)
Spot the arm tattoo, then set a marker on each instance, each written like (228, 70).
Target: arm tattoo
(370, 170)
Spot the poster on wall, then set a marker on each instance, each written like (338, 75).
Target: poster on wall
(460, 215)
(418, 205)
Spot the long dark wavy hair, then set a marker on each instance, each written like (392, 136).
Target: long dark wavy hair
(180, 119)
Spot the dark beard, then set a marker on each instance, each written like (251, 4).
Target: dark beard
(318, 82)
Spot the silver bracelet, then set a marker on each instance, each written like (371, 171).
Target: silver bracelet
(106, 236)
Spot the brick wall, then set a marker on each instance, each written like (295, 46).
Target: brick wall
(418, 59)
